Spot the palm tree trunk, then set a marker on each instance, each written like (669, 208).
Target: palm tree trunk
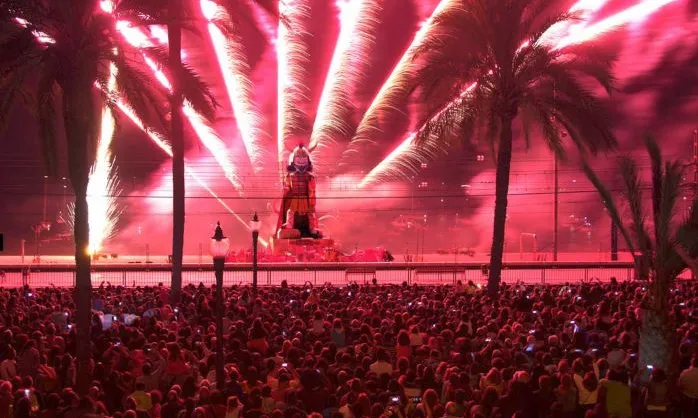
(655, 343)
(79, 125)
(500, 205)
(177, 139)
(83, 290)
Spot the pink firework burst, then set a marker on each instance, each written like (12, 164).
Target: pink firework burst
(339, 117)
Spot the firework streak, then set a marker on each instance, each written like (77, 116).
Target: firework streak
(358, 22)
(167, 149)
(236, 70)
(292, 60)
(396, 87)
(404, 156)
(103, 186)
(206, 134)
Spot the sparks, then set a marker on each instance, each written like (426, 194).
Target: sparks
(42, 37)
(207, 136)
(235, 70)
(396, 86)
(107, 131)
(103, 186)
(357, 24)
(632, 14)
(167, 149)
(292, 59)
(406, 150)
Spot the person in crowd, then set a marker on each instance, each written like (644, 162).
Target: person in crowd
(614, 393)
(384, 352)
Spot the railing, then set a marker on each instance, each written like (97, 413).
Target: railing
(142, 274)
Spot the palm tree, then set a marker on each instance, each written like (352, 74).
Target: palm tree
(52, 57)
(178, 15)
(662, 250)
(493, 61)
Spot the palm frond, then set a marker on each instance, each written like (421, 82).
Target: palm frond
(609, 204)
(12, 88)
(156, 12)
(16, 49)
(633, 195)
(686, 237)
(539, 17)
(545, 120)
(47, 117)
(657, 184)
(593, 59)
(194, 89)
(670, 190)
(137, 89)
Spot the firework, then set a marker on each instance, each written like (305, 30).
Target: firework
(207, 136)
(292, 59)
(402, 159)
(632, 14)
(358, 21)
(165, 147)
(235, 70)
(109, 183)
(395, 89)
(103, 186)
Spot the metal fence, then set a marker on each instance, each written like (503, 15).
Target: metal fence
(141, 274)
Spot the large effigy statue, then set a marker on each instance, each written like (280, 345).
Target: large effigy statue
(297, 217)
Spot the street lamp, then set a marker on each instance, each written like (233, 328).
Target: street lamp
(255, 224)
(219, 250)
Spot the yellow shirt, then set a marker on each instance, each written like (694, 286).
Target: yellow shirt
(143, 401)
(617, 399)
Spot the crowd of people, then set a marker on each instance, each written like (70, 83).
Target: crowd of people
(347, 352)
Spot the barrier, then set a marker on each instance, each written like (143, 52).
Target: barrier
(271, 274)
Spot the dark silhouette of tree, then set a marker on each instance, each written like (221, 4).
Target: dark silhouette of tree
(497, 50)
(663, 249)
(56, 60)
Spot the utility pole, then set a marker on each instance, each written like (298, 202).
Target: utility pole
(614, 241)
(695, 164)
(555, 207)
(43, 217)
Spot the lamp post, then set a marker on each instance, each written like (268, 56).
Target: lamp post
(219, 250)
(255, 224)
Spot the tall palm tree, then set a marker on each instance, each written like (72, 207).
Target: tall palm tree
(493, 59)
(178, 15)
(663, 247)
(55, 57)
